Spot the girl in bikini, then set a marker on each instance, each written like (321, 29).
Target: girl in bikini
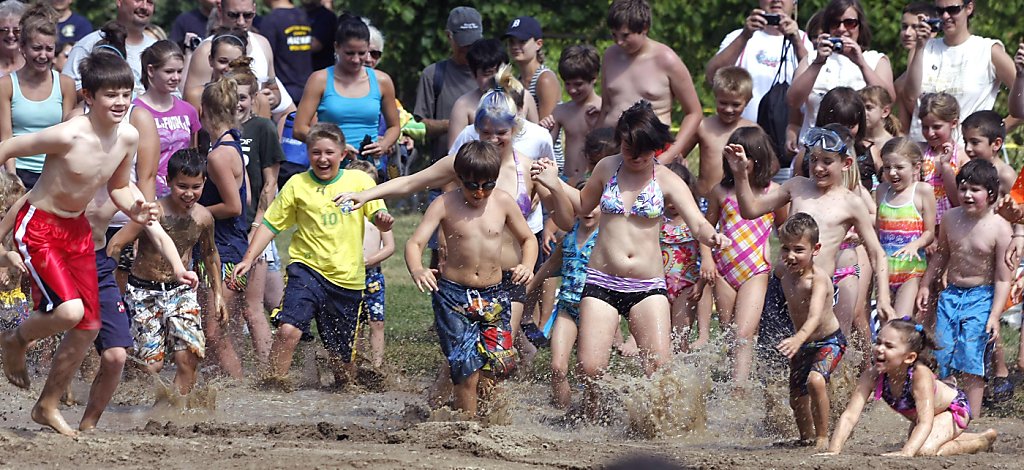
(902, 378)
(743, 266)
(906, 219)
(624, 277)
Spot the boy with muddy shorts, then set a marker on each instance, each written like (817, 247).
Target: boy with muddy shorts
(327, 274)
(165, 313)
(52, 233)
(472, 306)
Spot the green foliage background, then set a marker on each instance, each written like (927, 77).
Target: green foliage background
(694, 29)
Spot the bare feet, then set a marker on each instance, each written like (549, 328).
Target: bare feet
(53, 419)
(821, 444)
(12, 351)
(628, 347)
(699, 344)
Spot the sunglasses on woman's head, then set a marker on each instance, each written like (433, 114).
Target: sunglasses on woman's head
(475, 186)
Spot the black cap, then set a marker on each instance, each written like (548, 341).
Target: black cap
(524, 28)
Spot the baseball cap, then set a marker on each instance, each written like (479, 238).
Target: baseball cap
(524, 28)
(466, 25)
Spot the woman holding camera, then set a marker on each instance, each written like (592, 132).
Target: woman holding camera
(840, 59)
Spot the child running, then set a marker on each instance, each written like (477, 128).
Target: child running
(377, 246)
(166, 318)
(472, 307)
(901, 376)
(984, 134)
(84, 154)
(569, 260)
(578, 67)
(880, 125)
(834, 208)
(680, 252)
(971, 245)
(906, 216)
(14, 307)
(743, 266)
(818, 345)
(326, 276)
(940, 115)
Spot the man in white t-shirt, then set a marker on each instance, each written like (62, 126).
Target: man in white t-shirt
(757, 48)
(134, 15)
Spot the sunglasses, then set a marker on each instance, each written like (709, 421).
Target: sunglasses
(376, 54)
(244, 14)
(827, 139)
(849, 23)
(474, 186)
(6, 31)
(952, 10)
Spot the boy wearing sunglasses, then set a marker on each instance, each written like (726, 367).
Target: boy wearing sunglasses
(833, 207)
(326, 276)
(471, 306)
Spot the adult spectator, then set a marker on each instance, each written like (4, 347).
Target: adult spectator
(443, 82)
(350, 94)
(291, 39)
(10, 28)
(192, 23)
(70, 25)
(851, 65)
(324, 22)
(376, 50)
(35, 96)
(238, 14)
(909, 22)
(133, 15)
(757, 48)
(966, 66)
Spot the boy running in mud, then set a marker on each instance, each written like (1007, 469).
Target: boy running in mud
(165, 313)
(815, 350)
(326, 276)
(53, 235)
(471, 307)
(834, 208)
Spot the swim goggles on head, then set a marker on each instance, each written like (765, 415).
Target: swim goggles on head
(827, 139)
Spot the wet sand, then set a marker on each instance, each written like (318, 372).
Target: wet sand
(317, 427)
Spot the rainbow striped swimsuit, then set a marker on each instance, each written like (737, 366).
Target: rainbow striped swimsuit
(898, 226)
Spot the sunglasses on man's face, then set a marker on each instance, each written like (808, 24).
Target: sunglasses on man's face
(244, 14)
(475, 186)
(951, 10)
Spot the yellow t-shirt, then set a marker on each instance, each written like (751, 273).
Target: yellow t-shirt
(327, 240)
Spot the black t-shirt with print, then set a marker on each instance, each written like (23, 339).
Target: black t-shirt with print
(291, 39)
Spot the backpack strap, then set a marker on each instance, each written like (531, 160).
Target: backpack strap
(783, 62)
(439, 70)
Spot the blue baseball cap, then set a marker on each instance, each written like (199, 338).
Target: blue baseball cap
(524, 28)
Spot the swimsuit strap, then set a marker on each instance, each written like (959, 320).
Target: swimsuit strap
(522, 198)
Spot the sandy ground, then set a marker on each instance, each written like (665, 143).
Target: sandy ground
(317, 427)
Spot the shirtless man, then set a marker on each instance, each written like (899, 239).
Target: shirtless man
(638, 67)
(833, 207)
(82, 153)
(239, 14)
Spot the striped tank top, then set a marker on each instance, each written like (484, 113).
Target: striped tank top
(557, 143)
(898, 226)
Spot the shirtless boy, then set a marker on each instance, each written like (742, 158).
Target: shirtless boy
(578, 67)
(971, 245)
(82, 153)
(470, 295)
(733, 89)
(638, 67)
(815, 350)
(834, 208)
(984, 135)
(165, 313)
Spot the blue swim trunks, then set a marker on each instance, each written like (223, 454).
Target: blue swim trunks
(960, 329)
(310, 296)
(820, 356)
(473, 329)
(373, 295)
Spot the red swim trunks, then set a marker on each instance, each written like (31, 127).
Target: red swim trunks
(59, 255)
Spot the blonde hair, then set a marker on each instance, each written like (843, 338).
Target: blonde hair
(906, 148)
(941, 105)
(240, 70)
(880, 97)
(733, 80)
(502, 104)
(219, 101)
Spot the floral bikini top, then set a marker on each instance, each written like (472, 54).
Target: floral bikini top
(649, 203)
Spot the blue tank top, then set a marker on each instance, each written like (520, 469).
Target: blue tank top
(230, 234)
(294, 150)
(357, 117)
(28, 116)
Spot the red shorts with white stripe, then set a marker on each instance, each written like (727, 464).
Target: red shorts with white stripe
(58, 253)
